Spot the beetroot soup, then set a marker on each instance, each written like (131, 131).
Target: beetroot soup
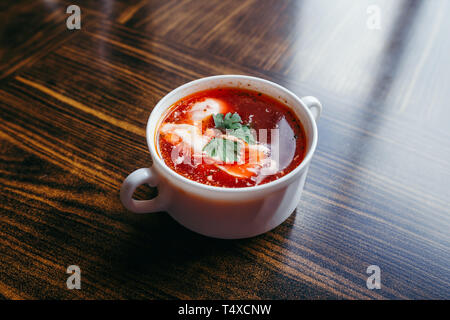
(231, 137)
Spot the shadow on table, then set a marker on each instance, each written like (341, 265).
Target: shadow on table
(164, 239)
(163, 254)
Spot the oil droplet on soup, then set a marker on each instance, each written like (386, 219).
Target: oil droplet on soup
(231, 137)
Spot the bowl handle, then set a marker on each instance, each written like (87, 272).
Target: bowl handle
(131, 183)
(313, 105)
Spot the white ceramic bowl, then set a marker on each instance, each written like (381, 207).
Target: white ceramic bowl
(228, 213)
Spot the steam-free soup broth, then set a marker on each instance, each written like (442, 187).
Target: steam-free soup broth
(231, 137)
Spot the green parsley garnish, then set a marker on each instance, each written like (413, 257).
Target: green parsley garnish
(226, 150)
(244, 133)
(232, 123)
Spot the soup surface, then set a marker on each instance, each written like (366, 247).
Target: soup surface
(231, 137)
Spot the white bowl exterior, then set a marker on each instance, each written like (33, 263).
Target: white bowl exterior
(230, 213)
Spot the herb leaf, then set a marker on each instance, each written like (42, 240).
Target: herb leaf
(224, 149)
(232, 123)
(218, 121)
(244, 133)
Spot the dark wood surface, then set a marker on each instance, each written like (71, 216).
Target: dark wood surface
(74, 106)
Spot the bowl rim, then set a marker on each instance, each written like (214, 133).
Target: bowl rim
(154, 154)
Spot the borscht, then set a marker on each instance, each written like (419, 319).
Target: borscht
(231, 137)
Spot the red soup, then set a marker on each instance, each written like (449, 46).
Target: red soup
(230, 137)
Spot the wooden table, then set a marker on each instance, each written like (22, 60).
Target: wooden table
(74, 105)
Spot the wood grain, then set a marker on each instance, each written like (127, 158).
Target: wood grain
(74, 105)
